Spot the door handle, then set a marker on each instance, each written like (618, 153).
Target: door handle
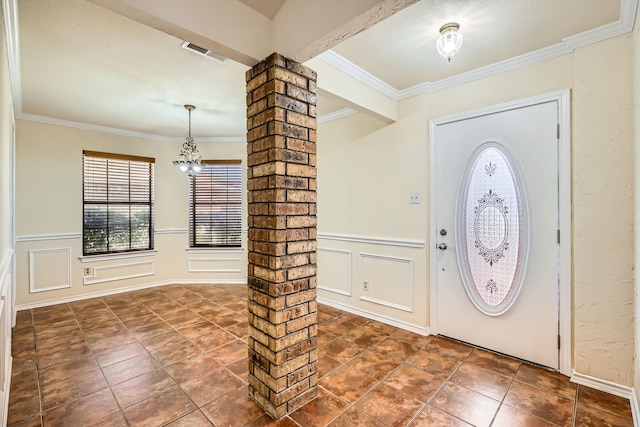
(442, 246)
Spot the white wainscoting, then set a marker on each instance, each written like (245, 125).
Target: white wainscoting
(390, 280)
(49, 269)
(110, 273)
(334, 270)
(215, 265)
(6, 320)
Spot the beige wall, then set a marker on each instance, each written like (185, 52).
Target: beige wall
(6, 166)
(636, 140)
(364, 179)
(49, 218)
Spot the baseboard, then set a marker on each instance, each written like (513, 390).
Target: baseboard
(378, 317)
(611, 388)
(128, 289)
(4, 415)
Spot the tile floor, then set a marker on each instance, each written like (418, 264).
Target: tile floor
(176, 356)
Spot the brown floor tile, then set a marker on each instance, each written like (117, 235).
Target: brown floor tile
(159, 410)
(482, 381)
(604, 401)
(211, 385)
(412, 337)
(240, 368)
(192, 367)
(24, 399)
(147, 385)
(158, 341)
(198, 329)
(364, 337)
(390, 406)
(62, 354)
(396, 349)
(325, 337)
(267, 421)
(510, 417)
(466, 405)
(234, 409)
(434, 363)
(46, 331)
(494, 362)
(214, 339)
(66, 382)
(32, 421)
(414, 382)
(118, 354)
(88, 410)
(541, 403)
(230, 352)
(115, 419)
(194, 419)
(176, 352)
(434, 417)
(551, 381)
(130, 368)
(58, 350)
(348, 384)
(341, 349)
(590, 416)
(355, 418)
(326, 364)
(374, 363)
(149, 331)
(450, 348)
(229, 319)
(320, 411)
(241, 330)
(333, 327)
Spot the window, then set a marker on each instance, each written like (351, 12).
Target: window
(117, 203)
(215, 205)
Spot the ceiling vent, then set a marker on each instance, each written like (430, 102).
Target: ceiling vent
(203, 52)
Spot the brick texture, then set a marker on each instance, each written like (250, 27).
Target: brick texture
(281, 149)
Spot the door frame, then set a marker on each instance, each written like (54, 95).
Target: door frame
(564, 204)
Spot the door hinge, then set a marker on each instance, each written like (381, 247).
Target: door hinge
(558, 235)
(558, 131)
(558, 341)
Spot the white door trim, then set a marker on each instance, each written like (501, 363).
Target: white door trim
(564, 165)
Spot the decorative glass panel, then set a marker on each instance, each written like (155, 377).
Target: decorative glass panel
(491, 231)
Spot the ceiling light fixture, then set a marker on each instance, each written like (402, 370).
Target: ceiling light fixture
(189, 160)
(450, 40)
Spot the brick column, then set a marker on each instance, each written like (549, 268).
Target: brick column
(281, 148)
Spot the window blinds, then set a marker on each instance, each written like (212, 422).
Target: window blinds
(216, 205)
(117, 203)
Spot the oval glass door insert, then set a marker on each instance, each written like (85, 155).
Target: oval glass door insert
(492, 230)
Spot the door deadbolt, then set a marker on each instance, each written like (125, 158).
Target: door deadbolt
(443, 232)
(442, 246)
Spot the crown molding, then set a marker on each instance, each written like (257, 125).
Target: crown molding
(623, 25)
(12, 35)
(360, 74)
(335, 115)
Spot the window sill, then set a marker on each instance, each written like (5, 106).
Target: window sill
(109, 257)
(215, 250)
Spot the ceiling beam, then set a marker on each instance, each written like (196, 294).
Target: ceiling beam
(303, 29)
(358, 95)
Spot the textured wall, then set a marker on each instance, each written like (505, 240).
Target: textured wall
(603, 210)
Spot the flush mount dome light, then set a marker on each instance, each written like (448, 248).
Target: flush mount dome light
(450, 40)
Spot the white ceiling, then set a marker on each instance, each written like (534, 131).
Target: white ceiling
(83, 63)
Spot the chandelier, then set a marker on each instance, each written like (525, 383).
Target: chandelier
(189, 160)
(450, 40)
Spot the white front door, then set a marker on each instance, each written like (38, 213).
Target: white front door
(496, 237)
